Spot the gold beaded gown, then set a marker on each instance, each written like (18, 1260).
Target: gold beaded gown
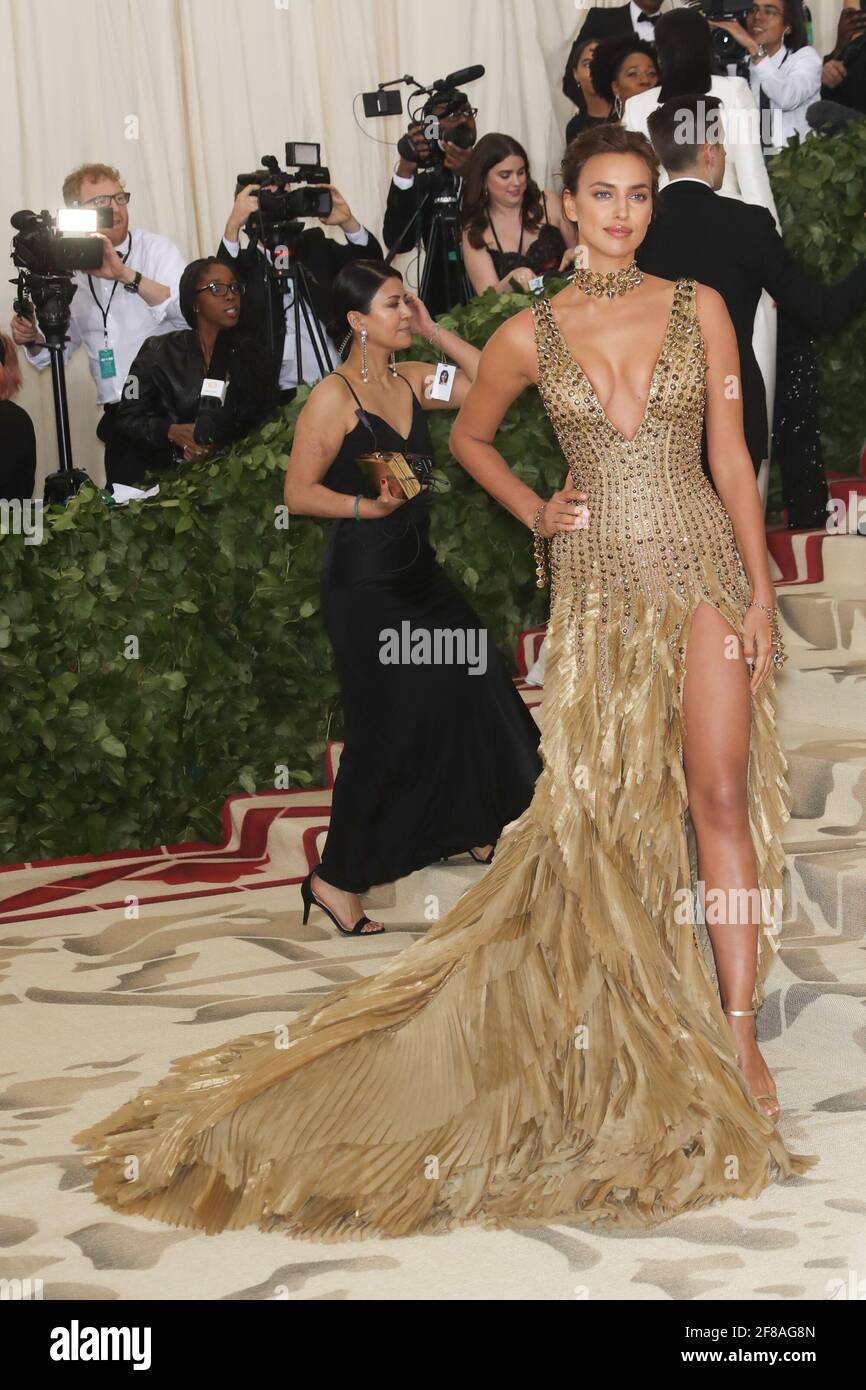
(554, 1047)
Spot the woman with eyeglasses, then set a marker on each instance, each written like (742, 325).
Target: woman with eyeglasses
(162, 393)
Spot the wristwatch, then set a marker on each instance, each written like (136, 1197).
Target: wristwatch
(133, 285)
(760, 52)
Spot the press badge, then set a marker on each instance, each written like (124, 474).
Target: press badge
(443, 381)
(106, 362)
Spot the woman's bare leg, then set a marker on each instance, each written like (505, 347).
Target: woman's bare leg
(717, 710)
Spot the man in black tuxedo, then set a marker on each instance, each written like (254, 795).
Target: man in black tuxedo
(638, 17)
(735, 248)
(273, 323)
(452, 112)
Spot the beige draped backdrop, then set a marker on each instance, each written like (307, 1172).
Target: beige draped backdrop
(183, 94)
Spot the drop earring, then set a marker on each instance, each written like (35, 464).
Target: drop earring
(392, 364)
(364, 373)
(617, 106)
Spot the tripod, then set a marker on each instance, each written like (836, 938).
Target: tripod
(444, 246)
(284, 268)
(52, 295)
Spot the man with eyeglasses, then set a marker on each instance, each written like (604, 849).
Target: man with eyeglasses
(784, 68)
(129, 298)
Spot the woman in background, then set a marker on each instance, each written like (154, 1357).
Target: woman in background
(511, 230)
(18, 451)
(439, 755)
(160, 402)
(591, 108)
(620, 68)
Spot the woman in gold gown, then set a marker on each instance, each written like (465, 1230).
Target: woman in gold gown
(557, 1045)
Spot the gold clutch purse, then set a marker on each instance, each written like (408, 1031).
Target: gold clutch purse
(402, 479)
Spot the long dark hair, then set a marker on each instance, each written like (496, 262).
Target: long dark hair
(796, 21)
(570, 85)
(684, 41)
(490, 151)
(352, 292)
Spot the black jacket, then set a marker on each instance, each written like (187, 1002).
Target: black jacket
(17, 453)
(444, 285)
(322, 258)
(164, 386)
(735, 248)
(851, 91)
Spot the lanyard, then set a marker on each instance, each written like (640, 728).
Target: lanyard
(104, 312)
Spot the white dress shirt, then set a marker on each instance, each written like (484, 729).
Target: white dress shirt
(130, 320)
(289, 367)
(641, 24)
(792, 81)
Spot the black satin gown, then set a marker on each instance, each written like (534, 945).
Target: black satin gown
(438, 757)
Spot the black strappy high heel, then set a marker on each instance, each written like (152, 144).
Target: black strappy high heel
(309, 898)
(479, 859)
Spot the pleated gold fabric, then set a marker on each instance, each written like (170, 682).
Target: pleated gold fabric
(555, 1045)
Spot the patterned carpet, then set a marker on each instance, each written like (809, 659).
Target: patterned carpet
(115, 965)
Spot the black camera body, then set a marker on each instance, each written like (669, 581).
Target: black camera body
(726, 48)
(283, 203)
(40, 247)
(461, 135)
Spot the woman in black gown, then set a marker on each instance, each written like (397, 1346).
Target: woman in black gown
(439, 754)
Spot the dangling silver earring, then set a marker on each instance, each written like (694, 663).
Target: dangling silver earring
(617, 106)
(364, 373)
(392, 364)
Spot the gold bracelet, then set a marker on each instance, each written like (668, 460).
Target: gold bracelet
(779, 654)
(543, 577)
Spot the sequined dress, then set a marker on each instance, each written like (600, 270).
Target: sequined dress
(554, 1047)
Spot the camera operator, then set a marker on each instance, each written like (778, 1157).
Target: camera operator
(323, 258)
(456, 118)
(115, 307)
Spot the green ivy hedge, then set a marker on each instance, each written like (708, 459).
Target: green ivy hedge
(820, 189)
(157, 658)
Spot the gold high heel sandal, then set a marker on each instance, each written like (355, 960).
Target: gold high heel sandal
(765, 1095)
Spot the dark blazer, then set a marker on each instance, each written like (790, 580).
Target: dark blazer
(444, 290)
(168, 374)
(851, 91)
(735, 248)
(322, 257)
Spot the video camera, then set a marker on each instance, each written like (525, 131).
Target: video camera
(725, 47)
(286, 204)
(46, 252)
